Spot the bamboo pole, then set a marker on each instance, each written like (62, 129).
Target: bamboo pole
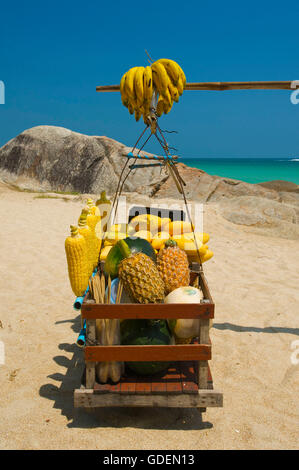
(270, 85)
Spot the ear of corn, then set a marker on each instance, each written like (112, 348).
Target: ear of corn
(94, 210)
(76, 255)
(86, 232)
(96, 242)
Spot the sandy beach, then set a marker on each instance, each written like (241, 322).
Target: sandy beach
(254, 281)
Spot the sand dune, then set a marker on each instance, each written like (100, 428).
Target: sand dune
(254, 282)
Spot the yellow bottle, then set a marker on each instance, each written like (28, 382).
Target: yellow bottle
(104, 206)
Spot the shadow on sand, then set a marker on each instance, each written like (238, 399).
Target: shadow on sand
(266, 329)
(143, 418)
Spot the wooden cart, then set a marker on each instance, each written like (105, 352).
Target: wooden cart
(187, 383)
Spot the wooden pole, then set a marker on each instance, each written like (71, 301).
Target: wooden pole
(283, 85)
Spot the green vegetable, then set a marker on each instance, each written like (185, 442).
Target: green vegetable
(127, 246)
(145, 332)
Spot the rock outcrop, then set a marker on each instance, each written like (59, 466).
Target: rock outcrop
(56, 159)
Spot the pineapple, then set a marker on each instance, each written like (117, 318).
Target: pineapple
(173, 266)
(140, 277)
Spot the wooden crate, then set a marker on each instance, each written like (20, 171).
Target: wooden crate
(187, 383)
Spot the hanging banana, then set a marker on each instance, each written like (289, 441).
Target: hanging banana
(164, 77)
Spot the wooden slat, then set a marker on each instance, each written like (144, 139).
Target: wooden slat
(221, 86)
(203, 364)
(144, 386)
(102, 388)
(128, 384)
(88, 399)
(178, 352)
(205, 288)
(90, 338)
(173, 379)
(159, 383)
(149, 311)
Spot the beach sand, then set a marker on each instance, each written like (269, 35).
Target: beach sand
(254, 282)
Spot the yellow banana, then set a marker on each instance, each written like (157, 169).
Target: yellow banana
(180, 86)
(175, 72)
(148, 84)
(131, 108)
(138, 85)
(160, 106)
(138, 113)
(167, 97)
(147, 92)
(167, 106)
(129, 83)
(173, 92)
(183, 76)
(160, 78)
(124, 97)
(172, 68)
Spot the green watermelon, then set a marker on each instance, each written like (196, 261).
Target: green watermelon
(145, 332)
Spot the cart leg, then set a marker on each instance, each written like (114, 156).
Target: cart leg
(203, 365)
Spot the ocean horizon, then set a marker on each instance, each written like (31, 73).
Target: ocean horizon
(250, 170)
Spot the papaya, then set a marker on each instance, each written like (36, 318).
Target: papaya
(136, 245)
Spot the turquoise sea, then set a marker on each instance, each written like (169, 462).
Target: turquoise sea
(251, 170)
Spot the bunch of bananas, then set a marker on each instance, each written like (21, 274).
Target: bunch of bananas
(137, 85)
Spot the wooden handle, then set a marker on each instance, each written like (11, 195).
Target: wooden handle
(220, 86)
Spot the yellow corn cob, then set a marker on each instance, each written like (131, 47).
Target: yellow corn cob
(98, 227)
(94, 209)
(76, 255)
(96, 242)
(86, 232)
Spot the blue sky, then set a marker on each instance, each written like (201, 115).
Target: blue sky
(53, 54)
